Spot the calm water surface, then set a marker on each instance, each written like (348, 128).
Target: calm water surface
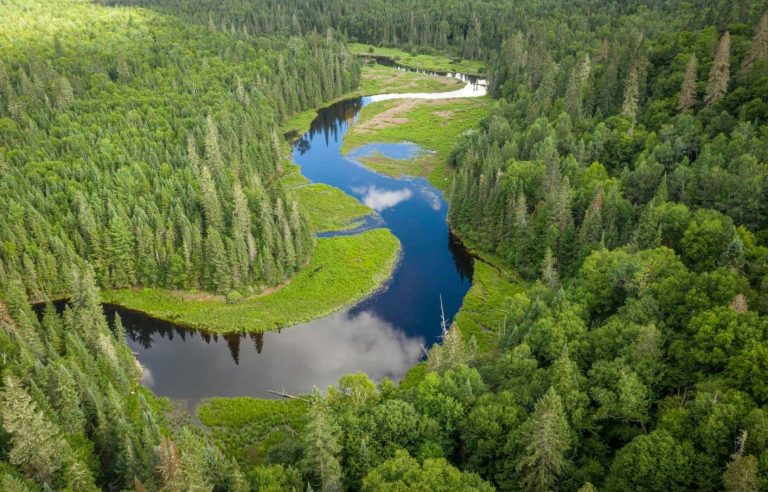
(382, 336)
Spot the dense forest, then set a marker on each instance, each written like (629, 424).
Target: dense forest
(149, 149)
(621, 173)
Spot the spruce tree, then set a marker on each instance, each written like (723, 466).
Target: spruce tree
(631, 94)
(758, 49)
(717, 85)
(320, 463)
(36, 446)
(687, 97)
(545, 439)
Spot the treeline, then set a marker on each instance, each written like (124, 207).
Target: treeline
(585, 152)
(471, 30)
(149, 149)
(626, 177)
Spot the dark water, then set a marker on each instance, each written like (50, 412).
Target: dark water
(381, 336)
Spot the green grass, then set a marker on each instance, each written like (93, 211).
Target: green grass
(342, 271)
(378, 79)
(375, 79)
(329, 208)
(485, 305)
(247, 428)
(436, 63)
(432, 124)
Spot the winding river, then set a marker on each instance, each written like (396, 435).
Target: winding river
(382, 336)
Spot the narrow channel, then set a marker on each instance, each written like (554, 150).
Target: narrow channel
(382, 336)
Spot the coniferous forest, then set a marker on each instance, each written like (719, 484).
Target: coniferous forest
(617, 186)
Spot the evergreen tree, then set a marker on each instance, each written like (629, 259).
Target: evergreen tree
(631, 94)
(717, 84)
(36, 445)
(549, 275)
(758, 49)
(687, 97)
(320, 463)
(545, 439)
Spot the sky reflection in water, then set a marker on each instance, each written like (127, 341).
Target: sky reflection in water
(381, 336)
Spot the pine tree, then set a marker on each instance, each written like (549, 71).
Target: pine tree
(631, 94)
(169, 463)
(717, 85)
(212, 150)
(214, 218)
(687, 97)
(36, 446)
(121, 253)
(545, 439)
(549, 274)
(320, 464)
(758, 50)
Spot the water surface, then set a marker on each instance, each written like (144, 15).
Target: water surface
(382, 336)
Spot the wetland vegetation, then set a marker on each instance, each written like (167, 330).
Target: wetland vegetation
(613, 330)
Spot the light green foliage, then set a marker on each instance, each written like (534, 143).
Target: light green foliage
(329, 208)
(342, 270)
(134, 126)
(544, 440)
(320, 464)
(435, 475)
(652, 462)
(490, 303)
(379, 79)
(247, 428)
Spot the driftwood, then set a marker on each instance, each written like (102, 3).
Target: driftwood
(284, 394)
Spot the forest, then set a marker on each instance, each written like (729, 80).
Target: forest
(614, 194)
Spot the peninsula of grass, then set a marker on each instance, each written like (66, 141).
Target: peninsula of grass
(247, 428)
(330, 209)
(342, 271)
(436, 63)
(376, 79)
(432, 124)
(327, 207)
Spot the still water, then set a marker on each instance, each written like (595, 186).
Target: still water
(382, 336)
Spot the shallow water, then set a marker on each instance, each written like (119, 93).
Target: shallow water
(382, 336)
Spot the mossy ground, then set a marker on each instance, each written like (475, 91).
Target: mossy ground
(437, 63)
(342, 270)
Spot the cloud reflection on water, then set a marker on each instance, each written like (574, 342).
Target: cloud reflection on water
(379, 199)
(326, 348)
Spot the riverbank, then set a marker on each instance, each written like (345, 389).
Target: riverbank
(434, 125)
(375, 79)
(434, 63)
(342, 271)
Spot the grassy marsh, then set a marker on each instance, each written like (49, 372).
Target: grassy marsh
(434, 125)
(437, 63)
(342, 270)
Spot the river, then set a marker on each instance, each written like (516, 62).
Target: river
(382, 336)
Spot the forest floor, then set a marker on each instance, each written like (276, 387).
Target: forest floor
(436, 63)
(432, 124)
(342, 271)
